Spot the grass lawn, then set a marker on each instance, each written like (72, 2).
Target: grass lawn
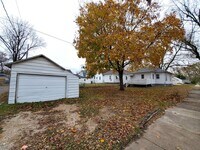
(102, 118)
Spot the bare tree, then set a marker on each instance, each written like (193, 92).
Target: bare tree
(189, 12)
(3, 59)
(18, 38)
(178, 57)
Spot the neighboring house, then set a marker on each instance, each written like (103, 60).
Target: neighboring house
(83, 77)
(98, 78)
(143, 76)
(107, 77)
(84, 80)
(82, 73)
(113, 77)
(147, 76)
(176, 81)
(40, 79)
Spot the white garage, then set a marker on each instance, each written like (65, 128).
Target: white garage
(40, 79)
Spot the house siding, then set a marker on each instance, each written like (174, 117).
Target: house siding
(85, 80)
(110, 79)
(163, 77)
(150, 79)
(114, 78)
(41, 66)
(98, 78)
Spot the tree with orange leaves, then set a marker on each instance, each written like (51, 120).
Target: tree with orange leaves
(117, 33)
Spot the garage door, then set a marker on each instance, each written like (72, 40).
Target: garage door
(34, 88)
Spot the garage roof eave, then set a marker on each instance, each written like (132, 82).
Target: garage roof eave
(30, 58)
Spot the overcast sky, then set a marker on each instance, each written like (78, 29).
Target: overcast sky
(54, 17)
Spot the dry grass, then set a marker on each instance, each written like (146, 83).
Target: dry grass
(2, 81)
(4, 98)
(108, 117)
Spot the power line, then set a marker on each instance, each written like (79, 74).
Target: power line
(52, 36)
(7, 14)
(18, 8)
(11, 22)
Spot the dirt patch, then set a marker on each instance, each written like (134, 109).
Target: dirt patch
(14, 128)
(24, 124)
(104, 114)
(73, 118)
(91, 124)
(70, 112)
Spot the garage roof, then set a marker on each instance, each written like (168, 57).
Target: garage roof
(34, 57)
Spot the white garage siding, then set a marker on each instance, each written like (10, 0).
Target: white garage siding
(43, 68)
(73, 87)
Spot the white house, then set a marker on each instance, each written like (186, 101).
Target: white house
(113, 77)
(40, 79)
(83, 77)
(107, 77)
(98, 78)
(147, 76)
(83, 80)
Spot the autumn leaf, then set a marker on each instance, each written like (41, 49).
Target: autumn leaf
(102, 140)
(73, 130)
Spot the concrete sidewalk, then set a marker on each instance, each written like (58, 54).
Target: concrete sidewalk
(178, 129)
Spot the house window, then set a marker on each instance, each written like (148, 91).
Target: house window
(99, 78)
(142, 76)
(110, 77)
(157, 76)
(126, 78)
(165, 77)
(84, 79)
(153, 76)
(116, 77)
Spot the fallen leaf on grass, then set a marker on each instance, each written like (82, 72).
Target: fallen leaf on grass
(24, 147)
(102, 140)
(178, 148)
(73, 130)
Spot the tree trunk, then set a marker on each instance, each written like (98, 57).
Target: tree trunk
(121, 84)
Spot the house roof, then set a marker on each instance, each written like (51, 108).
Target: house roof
(83, 73)
(115, 72)
(148, 70)
(34, 57)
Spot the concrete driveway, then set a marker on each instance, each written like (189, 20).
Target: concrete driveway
(178, 129)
